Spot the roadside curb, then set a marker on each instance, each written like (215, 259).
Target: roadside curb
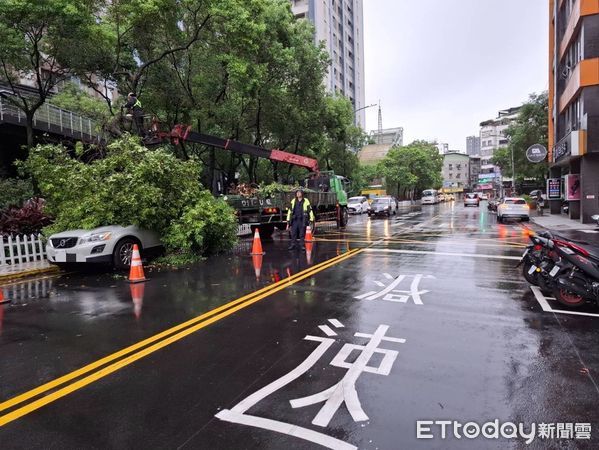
(28, 273)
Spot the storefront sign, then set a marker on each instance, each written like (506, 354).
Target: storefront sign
(572, 187)
(554, 188)
(562, 148)
(536, 153)
(485, 186)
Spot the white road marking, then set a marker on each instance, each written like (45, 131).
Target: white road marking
(327, 330)
(336, 323)
(379, 283)
(425, 252)
(388, 276)
(589, 231)
(385, 291)
(368, 294)
(547, 308)
(260, 394)
(285, 428)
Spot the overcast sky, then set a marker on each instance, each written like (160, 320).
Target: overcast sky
(440, 67)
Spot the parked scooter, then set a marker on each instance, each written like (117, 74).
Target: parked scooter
(562, 267)
(596, 219)
(539, 259)
(580, 284)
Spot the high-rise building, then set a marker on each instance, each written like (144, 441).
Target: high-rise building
(574, 105)
(473, 145)
(340, 25)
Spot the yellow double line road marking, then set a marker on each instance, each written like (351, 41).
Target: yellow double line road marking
(161, 340)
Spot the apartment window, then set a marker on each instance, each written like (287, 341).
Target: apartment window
(458, 175)
(459, 166)
(450, 166)
(451, 175)
(573, 116)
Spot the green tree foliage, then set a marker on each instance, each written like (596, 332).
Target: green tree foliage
(39, 39)
(531, 127)
(240, 69)
(412, 168)
(363, 177)
(74, 99)
(132, 185)
(14, 191)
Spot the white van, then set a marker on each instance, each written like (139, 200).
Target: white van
(430, 197)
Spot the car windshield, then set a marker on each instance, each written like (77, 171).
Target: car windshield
(471, 195)
(381, 201)
(515, 201)
(427, 193)
(356, 199)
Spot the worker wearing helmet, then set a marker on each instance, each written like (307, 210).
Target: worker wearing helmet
(299, 216)
(134, 108)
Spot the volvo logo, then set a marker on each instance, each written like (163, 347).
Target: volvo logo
(62, 243)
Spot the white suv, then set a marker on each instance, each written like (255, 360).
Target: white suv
(105, 245)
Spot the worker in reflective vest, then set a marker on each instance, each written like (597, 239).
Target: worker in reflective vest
(299, 216)
(134, 108)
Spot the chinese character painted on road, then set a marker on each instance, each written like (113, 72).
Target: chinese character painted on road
(391, 293)
(343, 392)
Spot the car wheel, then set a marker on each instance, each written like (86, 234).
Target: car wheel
(121, 256)
(499, 219)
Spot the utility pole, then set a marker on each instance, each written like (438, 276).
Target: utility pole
(513, 171)
(380, 138)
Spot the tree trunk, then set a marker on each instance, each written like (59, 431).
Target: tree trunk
(211, 169)
(29, 126)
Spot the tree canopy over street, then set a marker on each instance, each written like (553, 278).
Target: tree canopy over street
(240, 69)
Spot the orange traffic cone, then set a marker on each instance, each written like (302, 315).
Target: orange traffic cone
(257, 245)
(309, 248)
(257, 262)
(137, 297)
(136, 274)
(309, 237)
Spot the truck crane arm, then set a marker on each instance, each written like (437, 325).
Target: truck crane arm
(186, 134)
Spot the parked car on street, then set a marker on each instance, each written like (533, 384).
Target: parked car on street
(483, 196)
(358, 205)
(382, 206)
(111, 245)
(471, 199)
(513, 208)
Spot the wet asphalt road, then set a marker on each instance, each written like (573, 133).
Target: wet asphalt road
(422, 316)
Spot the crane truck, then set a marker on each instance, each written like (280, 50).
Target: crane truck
(325, 190)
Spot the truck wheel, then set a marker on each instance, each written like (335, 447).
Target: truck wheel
(121, 256)
(343, 217)
(266, 231)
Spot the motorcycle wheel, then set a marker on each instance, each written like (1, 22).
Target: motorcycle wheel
(568, 298)
(532, 278)
(545, 286)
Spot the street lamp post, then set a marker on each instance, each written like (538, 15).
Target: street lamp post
(364, 107)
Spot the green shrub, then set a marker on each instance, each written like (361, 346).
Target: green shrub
(204, 226)
(132, 185)
(14, 191)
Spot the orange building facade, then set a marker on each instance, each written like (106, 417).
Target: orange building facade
(574, 105)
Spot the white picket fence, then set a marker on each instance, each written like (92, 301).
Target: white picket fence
(21, 249)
